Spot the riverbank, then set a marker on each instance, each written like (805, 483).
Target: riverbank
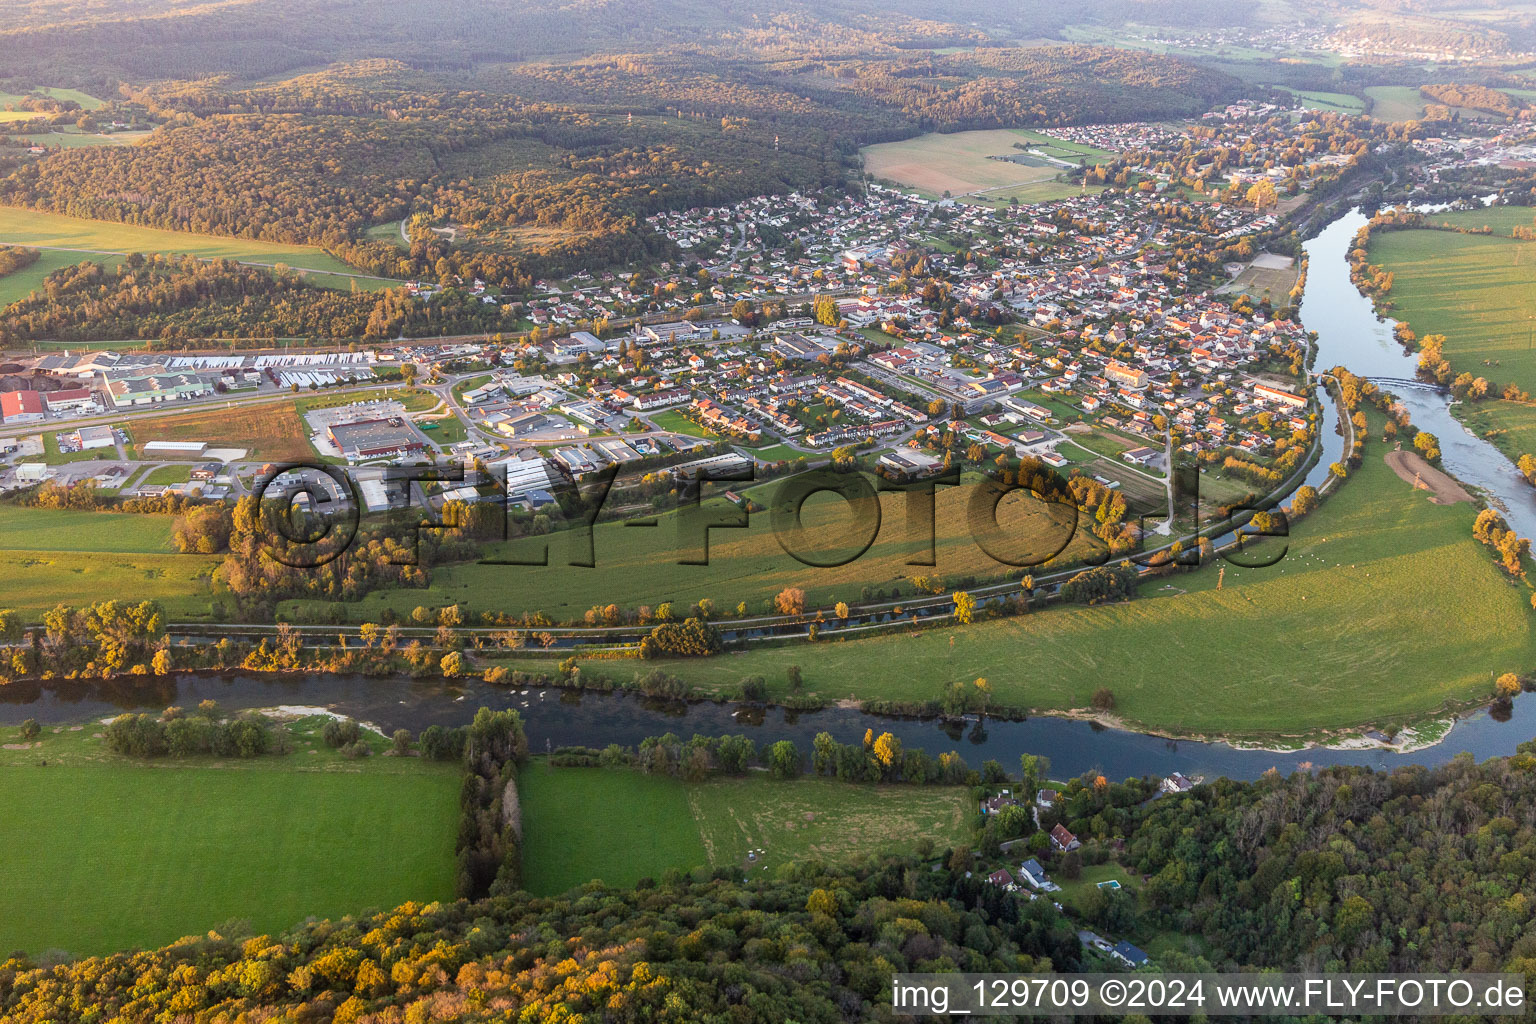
(1471, 289)
(1336, 638)
(556, 717)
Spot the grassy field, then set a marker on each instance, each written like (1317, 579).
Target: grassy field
(86, 101)
(20, 283)
(1034, 192)
(641, 566)
(444, 430)
(822, 818)
(73, 138)
(410, 398)
(1062, 148)
(620, 826)
(387, 232)
(675, 422)
(956, 162)
(1337, 102)
(19, 226)
(1480, 292)
(105, 853)
(268, 430)
(1343, 631)
(632, 825)
(163, 475)
(37, 529)
(1395, 102)
(1501, 219)
(1510, 426)
(778, 452)
(37, 579)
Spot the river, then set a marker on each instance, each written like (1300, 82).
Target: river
(556, 717)
(1349, 334)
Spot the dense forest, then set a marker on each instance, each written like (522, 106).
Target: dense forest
(178, 38)
(1348, 869)
(178, 298)
(809, 945)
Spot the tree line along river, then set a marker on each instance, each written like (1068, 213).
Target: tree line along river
(1349, 334)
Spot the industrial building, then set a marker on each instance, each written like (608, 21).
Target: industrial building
(373, 439)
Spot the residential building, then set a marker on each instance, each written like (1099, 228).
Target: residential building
(1063, 840)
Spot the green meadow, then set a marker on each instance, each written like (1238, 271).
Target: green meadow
(1500, 219)
(74, 139)
(1350, 628)
(1340, 102)
(150, 851)
(38, 580)
(86, 101)
(1480, 292)
(1510, 426)
(639, 565)
(1477, 290)
(621, 825)
(27, 227)
(20, 283)
(39, 529)
(1395, 102)
(76, 558)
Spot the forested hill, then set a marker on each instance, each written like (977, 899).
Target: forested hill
(142, 39)
(549, 166)
(808, 947)
(1354, 870)
(1349, 870)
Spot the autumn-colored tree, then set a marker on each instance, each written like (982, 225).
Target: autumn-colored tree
(965, 607)
(790, 601)
(821, 901)
(1262, 194)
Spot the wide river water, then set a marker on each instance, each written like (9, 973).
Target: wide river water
(1349, 334)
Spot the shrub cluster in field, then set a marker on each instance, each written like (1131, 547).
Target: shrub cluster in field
(179, 735)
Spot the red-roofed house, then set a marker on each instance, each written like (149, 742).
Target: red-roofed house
(20, 406)
(70, 400)
(1064, 840)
